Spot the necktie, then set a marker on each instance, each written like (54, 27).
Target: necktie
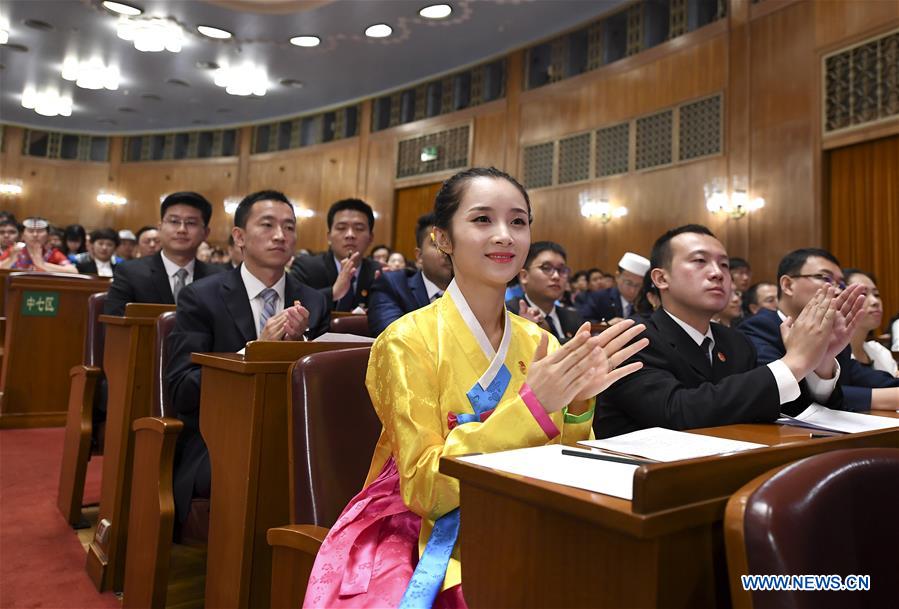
(436, 296)
(346, 303)
(180, 278)
(554, 327)
(706, 348)
(628, 310)
(270, 297)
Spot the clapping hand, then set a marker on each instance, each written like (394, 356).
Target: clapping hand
(289, 324)
(344, 281)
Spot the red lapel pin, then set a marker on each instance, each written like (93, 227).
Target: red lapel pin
(721, 357)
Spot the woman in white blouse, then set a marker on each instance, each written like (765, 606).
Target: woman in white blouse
(869, 352)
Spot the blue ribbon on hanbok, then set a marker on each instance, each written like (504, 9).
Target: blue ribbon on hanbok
(427, 579)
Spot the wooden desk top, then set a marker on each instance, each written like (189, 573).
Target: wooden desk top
(267, 356)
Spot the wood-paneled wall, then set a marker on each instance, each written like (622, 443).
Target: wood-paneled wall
(764, 57)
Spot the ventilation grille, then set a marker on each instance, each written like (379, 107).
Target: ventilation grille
(700, 129)
(538, 165)
(452, 152)
(574, 158)
(654, 140)
(612, 148)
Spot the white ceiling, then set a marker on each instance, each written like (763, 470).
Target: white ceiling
(346, 67)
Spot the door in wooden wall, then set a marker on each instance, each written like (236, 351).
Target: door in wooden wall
(410, 204)
(862, 212)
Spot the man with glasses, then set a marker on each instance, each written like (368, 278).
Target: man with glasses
(617, 303)
(543, 280)
(800, 275)
(396, 293)
(159, 278)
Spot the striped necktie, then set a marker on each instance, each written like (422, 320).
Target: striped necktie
(270, 297)
(180, 279)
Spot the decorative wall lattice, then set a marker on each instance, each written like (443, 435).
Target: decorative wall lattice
(538, 165)
(654, 140)
(862, 83)
(452, 152)
(574, 158)
(69, 146)
(700, 128)
(612, 145)
(677, 18)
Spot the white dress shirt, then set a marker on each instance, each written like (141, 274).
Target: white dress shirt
(552, 315)
(880, 356)
(431, 288)
(171, 268)
(254, 293)
(104, 269)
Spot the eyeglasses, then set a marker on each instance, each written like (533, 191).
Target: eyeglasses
(176, 222)
(824, 278)
(630, 284)
(548, 270)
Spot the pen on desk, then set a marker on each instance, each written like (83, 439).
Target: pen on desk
(821, 435)
(598, 457)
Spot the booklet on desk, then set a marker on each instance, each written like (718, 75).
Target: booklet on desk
(660, 444)
(547, 463)
(824, 419)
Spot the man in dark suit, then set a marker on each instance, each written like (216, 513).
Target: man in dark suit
(799, 275)
(221, 313)
(396, 293)
(542, 277)
(342, 273)
(157, 279)
(614, 304)
(699, 374)
(101, 261)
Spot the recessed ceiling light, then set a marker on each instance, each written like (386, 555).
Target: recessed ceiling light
(37, 24)
(213, 32)
(178, 82)
(436, 11)
(207, 65)
(14, 46)
(122, 9)
(151, 97)
(306, 41)
(292, 82)
(378, 30)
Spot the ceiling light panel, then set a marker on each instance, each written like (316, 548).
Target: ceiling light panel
(4, 35)
(242, 80)
(122, 9)
(48, 102)
(91, 74)
(378, 30)
(214, 32)
(306, 41)
(151, 35)
(436, 11)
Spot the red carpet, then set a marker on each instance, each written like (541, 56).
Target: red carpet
(41, 559)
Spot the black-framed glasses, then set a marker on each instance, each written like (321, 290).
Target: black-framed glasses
(822, 277)
(548, 270)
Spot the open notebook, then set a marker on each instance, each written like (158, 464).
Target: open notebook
(660, 444)
(824, 419)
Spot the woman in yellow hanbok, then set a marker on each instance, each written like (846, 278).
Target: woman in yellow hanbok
(461, 375)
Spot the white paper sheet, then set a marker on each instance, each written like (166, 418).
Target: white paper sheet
(547, 463)
(660, 444)
(820, 417)
(335, 337)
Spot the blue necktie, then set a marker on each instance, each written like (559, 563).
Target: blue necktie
(270, 297)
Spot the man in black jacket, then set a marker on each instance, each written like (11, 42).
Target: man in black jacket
(616, 303)
(157, 279)
(700, 374)
(342, 273)
(101, 261)
(222, 313)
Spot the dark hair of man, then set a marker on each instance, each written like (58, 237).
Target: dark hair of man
(792, 263)
(422, 229)
(192, 199)
(739, 263)
(105, 233)
(9, 222)
(352, 205)
(661, 249)
(142, 230)
(538, 247)
(382, 246)
(641, 302)
(75, 232)
(230, 240)
(450, 195)
(54, 230)
(7, 215)
(590, 272)
(578, 275)
(848, 273)
(243, 209)
(751, 297)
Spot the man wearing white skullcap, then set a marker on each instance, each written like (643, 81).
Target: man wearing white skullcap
(615, 304)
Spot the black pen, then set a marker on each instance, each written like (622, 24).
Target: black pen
(599, 457)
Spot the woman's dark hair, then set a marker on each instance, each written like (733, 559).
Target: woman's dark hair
(642, 305)
(450, 195)
(848, 273)
(105, 233)
(74, 232)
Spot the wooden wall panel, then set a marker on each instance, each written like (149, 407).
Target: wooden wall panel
(379, 184)
(411, 203)
(839, 23)
(489, 147)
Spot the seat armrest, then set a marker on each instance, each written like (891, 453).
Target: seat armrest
(303, 537)
(294, 548)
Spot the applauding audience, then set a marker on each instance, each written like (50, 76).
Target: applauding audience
(869, 352)
(34, 254)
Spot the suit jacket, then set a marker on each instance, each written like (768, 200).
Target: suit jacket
(320, 272)
(146, 280)
(570, 318)
(214, 315)
(394, 294)
(678, 389)
(89, 266)
(763, 329)
(602, 305)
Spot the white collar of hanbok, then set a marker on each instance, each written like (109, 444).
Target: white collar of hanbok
(496, 358)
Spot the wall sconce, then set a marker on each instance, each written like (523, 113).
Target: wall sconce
(602, 210)
(736, 204)
(108, 198)
(231, 204)
(303, 214)
(11, 188)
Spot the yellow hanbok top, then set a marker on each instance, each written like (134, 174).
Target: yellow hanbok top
(420, 370)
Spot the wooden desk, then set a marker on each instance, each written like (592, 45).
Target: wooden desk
(4, 273)
(243, 419)
(42, 343)
(128, 365)
(528, 543)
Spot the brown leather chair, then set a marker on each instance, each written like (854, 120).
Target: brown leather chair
(334, 430)
(152, 518)
(350, 324)
(834, 513)
(85, 392)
